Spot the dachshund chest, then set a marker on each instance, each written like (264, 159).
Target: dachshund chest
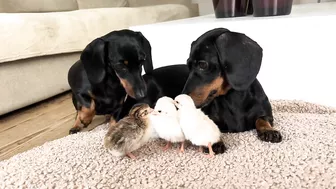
(108, 99)
(228, 117)
(107, 105)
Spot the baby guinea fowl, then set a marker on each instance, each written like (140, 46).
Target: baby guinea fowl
(165, 122)
(197, 127)
(130, 133)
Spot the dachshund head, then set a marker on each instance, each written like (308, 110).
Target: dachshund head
(221, 60)
(121, 55)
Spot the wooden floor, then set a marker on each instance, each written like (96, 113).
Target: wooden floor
(33, 126)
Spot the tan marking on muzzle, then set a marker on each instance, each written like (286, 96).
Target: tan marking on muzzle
(127, 86)
(201, 93)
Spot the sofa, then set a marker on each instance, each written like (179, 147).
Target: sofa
(41, 39)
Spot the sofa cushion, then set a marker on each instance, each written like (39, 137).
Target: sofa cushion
(29, 81)
(88, 4)
(2, 8)
(28, 35)
(14, 6)
(140, 3)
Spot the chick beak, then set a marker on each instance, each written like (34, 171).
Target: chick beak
(176, 105)
(153, 112)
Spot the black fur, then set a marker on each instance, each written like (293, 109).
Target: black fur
(103, 63)
(237, 59)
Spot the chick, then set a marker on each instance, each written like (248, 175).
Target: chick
(197, 127)
(165, 122)
(130, 133)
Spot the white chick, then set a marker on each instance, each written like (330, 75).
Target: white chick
(165, 121)
(197, 127)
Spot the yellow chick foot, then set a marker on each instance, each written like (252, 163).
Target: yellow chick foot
(181, 150)
(132, 156)
(211, 152)
(168, 145)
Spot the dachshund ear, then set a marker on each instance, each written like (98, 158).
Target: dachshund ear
(93, 59)
(210, 35)
(148, 50)
(240, 58)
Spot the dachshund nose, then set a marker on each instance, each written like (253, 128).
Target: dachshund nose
(140, 94)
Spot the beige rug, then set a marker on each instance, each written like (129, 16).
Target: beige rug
(305, 159)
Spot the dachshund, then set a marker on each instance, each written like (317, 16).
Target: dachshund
(109, 71)
(222, 82)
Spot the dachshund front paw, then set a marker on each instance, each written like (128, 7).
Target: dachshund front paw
(74, 130)
(273, 136)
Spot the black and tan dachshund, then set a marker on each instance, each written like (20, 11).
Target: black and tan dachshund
(222, 82)
(109, 68)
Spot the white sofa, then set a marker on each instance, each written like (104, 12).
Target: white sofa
(41, 39)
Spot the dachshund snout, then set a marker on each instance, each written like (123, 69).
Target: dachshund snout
(140, 93)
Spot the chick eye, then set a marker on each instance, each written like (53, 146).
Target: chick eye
(159, 111)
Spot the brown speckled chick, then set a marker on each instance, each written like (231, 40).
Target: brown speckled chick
(130, 133)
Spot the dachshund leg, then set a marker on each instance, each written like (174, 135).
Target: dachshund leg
(77, 126)
(84, 116)
(87, 114)
(108, 118)
(266, 132)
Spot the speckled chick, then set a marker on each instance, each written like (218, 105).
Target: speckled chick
(130, 133)
(165, 122)
(197, 127)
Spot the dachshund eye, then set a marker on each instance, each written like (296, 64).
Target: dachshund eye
(119, 67)
(203, 65)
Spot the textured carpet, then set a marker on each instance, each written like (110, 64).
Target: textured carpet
(305, 159)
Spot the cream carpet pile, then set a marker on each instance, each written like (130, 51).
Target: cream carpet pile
(306, 158)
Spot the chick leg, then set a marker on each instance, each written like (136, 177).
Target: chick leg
(182, 147)
(200, 149)
(211, 152)
(168, 145)
(130, 155)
